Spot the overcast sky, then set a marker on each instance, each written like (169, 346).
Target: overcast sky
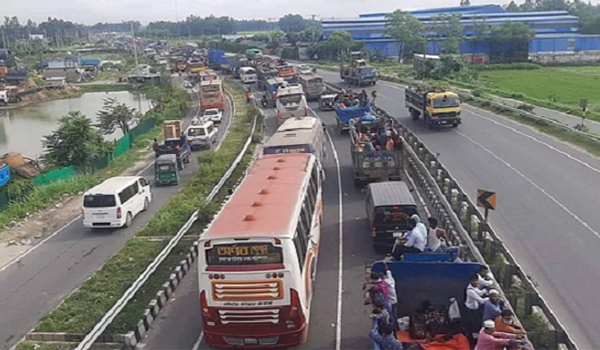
(93, 11)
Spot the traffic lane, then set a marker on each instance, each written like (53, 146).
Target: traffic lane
(357, 247)
(179, 324)
(536, 231)
(522, 216)
(36, 284)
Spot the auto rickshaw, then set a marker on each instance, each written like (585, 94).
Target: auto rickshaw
(166, 171)
(327, 102)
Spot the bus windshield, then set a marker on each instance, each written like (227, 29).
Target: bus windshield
(259, 253)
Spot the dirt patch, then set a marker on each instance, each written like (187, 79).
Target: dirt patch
(28, 232)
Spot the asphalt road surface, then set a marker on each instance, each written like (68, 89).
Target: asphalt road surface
(179, 325)
(547, 197)
(38, 282)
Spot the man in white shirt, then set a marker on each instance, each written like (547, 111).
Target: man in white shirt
(437, 241)
(412, 243)
(484, 278)
(389, 280)
(474, 299)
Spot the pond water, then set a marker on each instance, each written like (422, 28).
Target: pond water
(22, 129)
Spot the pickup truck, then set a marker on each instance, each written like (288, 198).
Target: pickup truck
(358, 73)
(438, 107)
(344, 114)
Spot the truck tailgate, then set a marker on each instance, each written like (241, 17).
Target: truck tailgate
(377, 164)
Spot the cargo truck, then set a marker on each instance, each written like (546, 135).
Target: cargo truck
(438, 107)
(371, 164)
(173, 143)
(358, 73)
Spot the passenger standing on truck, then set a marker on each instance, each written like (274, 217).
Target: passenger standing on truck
(156, 148)
(389, 143)
(374, 95)
(393, 297)
(382, 335)
(474, 300)
(494, 306)
(485, 278)
(380, 285)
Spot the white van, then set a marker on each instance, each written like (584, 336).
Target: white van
(248, 75)
(115, 202)
(291, 102)
(201, 133)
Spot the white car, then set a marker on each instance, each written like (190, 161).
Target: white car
(214, 115)
(304, 69)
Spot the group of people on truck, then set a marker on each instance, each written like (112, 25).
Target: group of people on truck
(381, 294)
(374, 136)
(420, 239)
(489, 322)
(348, 98)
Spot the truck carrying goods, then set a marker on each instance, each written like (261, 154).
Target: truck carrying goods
(437, 106)
(174, 143)
(215, 58)
(172, 129)
(358, 73)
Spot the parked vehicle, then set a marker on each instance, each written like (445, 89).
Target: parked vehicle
(115, 202)
(327, 102)
(248, 75)
(389, 207)
(291, 102)
(214, 115)
(375, 163)
(438, 107)
(165, 170)
(358, 73)
(312, 84)
(201, 133)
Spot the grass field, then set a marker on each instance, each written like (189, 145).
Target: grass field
(565, 85)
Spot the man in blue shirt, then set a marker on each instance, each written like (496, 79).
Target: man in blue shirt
(382, 335)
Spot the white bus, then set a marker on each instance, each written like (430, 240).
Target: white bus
(115, 202)
(298, 135)
(291, 102)
(258, 258)
(248, 75)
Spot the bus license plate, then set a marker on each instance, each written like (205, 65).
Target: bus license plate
(250, 341)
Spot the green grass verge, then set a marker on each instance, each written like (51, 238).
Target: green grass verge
(77, 314)
(104, 87)
(42, 197)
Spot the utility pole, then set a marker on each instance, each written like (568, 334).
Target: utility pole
(177, 21)
(137, 66)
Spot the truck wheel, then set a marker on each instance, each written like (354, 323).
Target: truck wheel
(455, 125)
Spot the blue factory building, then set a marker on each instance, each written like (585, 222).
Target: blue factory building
(557, 33)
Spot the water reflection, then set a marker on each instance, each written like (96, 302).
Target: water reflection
(22, 129)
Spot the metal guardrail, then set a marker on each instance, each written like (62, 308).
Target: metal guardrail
(100, 327)
(454, 207)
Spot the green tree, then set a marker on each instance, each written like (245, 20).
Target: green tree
(292, 23)
(407, 30)
(115, 115)
(340, 44)
(512, 7)
(448, 31)
(509, 40)
(481, 34)
(75, 142)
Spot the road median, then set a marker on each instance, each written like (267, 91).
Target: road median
(80, 312)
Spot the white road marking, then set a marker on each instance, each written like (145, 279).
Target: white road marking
(552, 198)
(536, 140)
(31, 249)
(338, 318)
(199, 341)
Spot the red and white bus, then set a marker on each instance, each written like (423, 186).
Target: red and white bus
(257, 260)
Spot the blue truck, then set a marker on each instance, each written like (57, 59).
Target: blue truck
(358, 73)
(423, 279)
(344, 114)
(215, 57)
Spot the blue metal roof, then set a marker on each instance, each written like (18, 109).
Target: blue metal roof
(488, 17)
(455, 9)
(558, 20)
(565, 35)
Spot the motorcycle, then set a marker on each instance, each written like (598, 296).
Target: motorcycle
(264, 101)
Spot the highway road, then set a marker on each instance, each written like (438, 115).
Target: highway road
(36, 283)
(179, 325)
(547, 195)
